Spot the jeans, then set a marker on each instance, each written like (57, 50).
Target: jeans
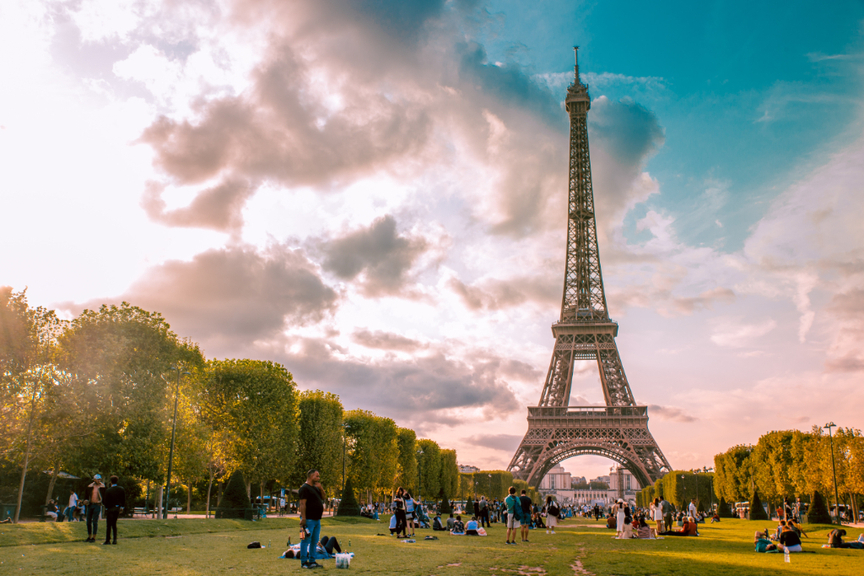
(309, 545)
(93, 512)
(69, 512)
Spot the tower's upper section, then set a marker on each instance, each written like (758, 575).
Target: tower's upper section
(577, 100)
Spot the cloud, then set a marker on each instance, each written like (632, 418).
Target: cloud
(433, 388)
(735, 333)
(233, 294)
(503, 442)
(218, 208)
(377, 255)
(386, 341)
(670, 413)
(493, 294)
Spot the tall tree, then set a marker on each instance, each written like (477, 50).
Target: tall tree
(320, 440)
(373, 451)
(406, 466)
(253, 404)
(29, 380)
(429, 464)
(449, 472)
(125, 362)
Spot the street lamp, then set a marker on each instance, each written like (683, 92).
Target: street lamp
(419, 472)
(171, 452)
(344, 441)
(829, 426)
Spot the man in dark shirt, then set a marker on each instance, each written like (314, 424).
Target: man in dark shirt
(311, 497)
(115, 502)
(790, 541)
(526, 514)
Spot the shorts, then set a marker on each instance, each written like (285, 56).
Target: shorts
(795, 548)
(512, 522)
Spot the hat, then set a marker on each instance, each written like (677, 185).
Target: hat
(97, 476)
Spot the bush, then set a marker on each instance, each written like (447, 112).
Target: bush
(235, 500)
(444, 508)
(723, 510)
(348, 506)
(757, 512)
(469, 508)
(818, 511)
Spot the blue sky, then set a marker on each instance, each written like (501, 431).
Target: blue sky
(373, 194)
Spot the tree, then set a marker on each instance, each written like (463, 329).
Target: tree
(372, 450)
(818, 511)
(320, 442)
(449, 478)
(723, 509)
(757, 512)
(235, 500)
(406, 464)
(429, 463)
(29, 382)
(348, 504)
(253, 404)
(122, 359)
(773, 465)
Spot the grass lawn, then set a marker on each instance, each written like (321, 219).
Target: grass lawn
(580, 547)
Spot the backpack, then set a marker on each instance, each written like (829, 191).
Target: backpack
(553, 509)
(517, 507)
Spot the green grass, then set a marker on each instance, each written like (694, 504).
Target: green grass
(198, 546)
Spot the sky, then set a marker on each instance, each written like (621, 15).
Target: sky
(373, 193)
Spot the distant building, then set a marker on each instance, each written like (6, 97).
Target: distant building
(558, 483)
(466, 469)
(591, 497)
(622, 484)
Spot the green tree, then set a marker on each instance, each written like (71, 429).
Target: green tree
(320, 441)
(253, 404)
(773, 464)
(235, 500)
(348, 504)
(406, 464)
(757, 512)
(122, 359)
(449, 478)
(372, 450)
(429, 463)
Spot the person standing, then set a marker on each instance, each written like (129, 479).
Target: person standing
(620, 515)
(658, 516)
(73, 504)
(115, 503)
(527, 506)
(692, 510)
(667, 510)
(94, 506)
(552, 512)
(484, 512)
(311, 496)
(514, 508)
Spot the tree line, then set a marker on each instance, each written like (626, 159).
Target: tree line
(782, 465)
(97, 394)
(794, 464)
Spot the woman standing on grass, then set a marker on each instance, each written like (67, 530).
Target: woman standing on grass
(399, 501)
(552, 512)
(620, 515)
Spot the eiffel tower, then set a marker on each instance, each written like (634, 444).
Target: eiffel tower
(556, 430)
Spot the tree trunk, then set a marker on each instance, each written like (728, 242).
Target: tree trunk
(51, 484)
(26, 452)
(209, 491)
(159, 491)
(188, 498)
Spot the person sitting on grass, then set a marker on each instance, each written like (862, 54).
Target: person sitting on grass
(715, 517)
(458, 527)
(781, 526)
(689, 528)
(643, 530)
(789, 541)
(763, 544)
(835, 540)
(627, 529)
(437, 524)
(451, 522)
(471, 527)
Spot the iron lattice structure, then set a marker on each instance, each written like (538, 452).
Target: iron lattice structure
(556, 430)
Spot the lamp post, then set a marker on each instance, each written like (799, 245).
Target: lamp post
(171, 451)
(344, 442)
(829, 426)
(419, 473)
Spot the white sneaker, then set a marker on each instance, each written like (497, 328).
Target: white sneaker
(547, 531)
(553, 531)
